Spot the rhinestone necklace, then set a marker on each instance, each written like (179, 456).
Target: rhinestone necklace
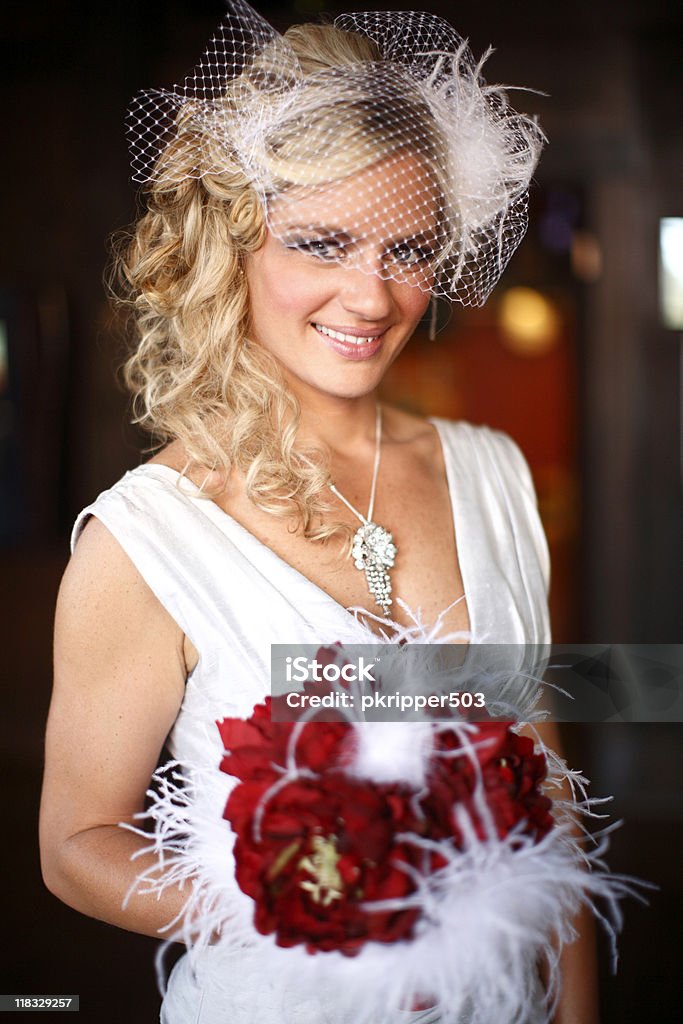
(374, 551)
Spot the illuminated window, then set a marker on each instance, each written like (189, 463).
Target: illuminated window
(671, 272)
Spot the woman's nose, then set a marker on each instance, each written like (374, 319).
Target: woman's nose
(366, 292)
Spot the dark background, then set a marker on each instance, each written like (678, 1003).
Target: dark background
(596, 409)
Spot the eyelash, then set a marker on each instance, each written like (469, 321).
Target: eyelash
(416, 254)
(331, 249)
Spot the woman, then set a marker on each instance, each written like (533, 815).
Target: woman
(308, 196)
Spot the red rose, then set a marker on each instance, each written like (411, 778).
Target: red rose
(511, 775)
(254, 748)
(323, 846)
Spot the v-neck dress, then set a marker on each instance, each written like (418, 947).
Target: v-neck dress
(233, 597)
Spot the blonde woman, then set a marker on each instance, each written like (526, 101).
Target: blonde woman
(307, 198)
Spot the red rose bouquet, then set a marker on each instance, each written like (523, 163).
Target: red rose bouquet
(359, 868)
(319, 849)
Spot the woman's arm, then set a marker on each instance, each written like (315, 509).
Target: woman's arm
(578, 1002)
(119, 680)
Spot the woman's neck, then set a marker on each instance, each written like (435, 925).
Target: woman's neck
(342, 425)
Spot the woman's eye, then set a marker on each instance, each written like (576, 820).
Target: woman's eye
(322, 248)
(407, 255)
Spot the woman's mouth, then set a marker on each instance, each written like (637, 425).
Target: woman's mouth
(356, 345)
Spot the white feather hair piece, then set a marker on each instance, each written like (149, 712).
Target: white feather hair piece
(448, 205)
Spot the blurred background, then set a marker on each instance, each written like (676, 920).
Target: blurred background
(577, 355)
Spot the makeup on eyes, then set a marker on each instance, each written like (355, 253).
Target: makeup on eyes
(333, 245)
(323, 247)
(410, 252)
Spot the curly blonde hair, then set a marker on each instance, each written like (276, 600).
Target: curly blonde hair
(196, 375)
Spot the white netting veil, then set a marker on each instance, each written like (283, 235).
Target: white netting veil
(393, 156)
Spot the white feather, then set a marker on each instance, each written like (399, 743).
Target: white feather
(392, 752)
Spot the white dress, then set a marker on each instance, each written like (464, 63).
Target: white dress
(233, 597)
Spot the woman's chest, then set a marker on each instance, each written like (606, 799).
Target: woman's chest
(426, 579)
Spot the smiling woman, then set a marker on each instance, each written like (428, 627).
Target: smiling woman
(307, 195)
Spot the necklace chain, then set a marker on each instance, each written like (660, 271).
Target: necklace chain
(375, 473)
(374, 551)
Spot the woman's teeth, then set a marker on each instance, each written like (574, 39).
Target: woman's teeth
(353, 339)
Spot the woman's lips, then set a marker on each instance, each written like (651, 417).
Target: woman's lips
(354, 345)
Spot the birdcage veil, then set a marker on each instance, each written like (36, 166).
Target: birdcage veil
(407, 165)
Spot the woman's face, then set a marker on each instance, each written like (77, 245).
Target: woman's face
(322, 298)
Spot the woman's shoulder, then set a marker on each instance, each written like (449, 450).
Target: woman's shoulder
(474, 433)
(136, 492)
(483, 445)
(174, 456)
(113, 633)
(466, 448)
(467, 440)
(141, 539)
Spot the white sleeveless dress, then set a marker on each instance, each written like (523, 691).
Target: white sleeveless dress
(233, 597)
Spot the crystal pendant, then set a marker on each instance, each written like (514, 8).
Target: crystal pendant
(374, 552)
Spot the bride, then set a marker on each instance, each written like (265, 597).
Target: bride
(308, 197)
